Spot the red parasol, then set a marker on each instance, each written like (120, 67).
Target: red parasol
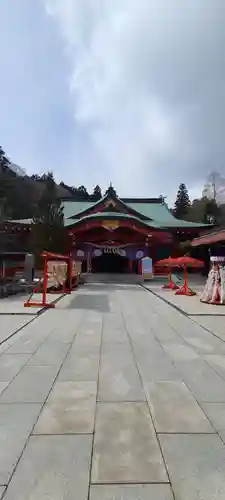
(170, 262)
(185, 262)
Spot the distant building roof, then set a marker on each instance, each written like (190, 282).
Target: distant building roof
(210, 238)
(20, 221)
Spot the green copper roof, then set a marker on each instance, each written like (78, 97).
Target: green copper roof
(111, 215)
(158, 213)
(155, 211)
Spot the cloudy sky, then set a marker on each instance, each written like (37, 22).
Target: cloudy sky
(128, 91)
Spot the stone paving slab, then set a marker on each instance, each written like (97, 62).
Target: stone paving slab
(123, 350)
(114, 334)
(174, 409)
(31, 385)
(62, 334)
(217, 362)
(32, 336)
(10, 365)
(16, 422)
(184, 326)
(49, 354)
(88, 340)
(80, 367)
(3, 385)
(97, 302)
(9, 324)
(180, 352)
(216, 414)
(118, 378)
(164, 333)
(207, 345)
(91, 327)
(82, 347)
(70, 409)
(131, 492)
(26, 345)
(214, 325)
(53, 467)
(125, 446)
(222, 435)
(195, 465)
(201, 379)
(155, 368)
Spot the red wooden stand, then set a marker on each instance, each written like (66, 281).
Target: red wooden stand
(170, 285)
(184, 289)
(43, 303)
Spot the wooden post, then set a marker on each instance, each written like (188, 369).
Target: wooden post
(45, 281)
(130, 266)
(139, 266)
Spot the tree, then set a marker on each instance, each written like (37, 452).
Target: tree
(212, 212)
(4, 161)
(205, 210)
(111, 192)
(82, 193)
(182, 203)
(49, 233)
(97, 193)
(5, 186)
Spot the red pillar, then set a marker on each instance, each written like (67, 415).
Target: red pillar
(130, 265)
(45, 281)
(139, 266)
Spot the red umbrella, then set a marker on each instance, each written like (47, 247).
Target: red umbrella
(169, 262)
(185, 262)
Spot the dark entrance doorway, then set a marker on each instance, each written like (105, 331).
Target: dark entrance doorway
(109, 263)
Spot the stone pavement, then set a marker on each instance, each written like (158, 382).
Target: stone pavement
(193, 306)
(114, 395)
(13, 314)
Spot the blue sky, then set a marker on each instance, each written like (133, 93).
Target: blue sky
(114, 90)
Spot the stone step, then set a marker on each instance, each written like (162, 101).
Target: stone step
(112, 278)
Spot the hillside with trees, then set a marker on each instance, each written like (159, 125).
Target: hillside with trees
(20, 195)
(205, 210)
(24, 197)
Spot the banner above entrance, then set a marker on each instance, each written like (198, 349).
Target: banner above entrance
(97, 252)
(130, 252)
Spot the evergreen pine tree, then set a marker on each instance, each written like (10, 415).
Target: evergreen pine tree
(5, 186)
(182, 203)
(111, 192)
(97, 194)
(49, 233)
(49, 210)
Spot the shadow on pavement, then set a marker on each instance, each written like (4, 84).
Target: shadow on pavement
(97, 302)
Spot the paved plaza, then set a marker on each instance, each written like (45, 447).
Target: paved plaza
(112, 395)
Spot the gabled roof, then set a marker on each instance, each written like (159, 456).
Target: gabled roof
(152, 211)
(111, 215)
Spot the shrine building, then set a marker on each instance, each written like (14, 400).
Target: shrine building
(114, 234)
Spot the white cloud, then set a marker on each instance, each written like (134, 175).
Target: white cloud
(147, 80)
